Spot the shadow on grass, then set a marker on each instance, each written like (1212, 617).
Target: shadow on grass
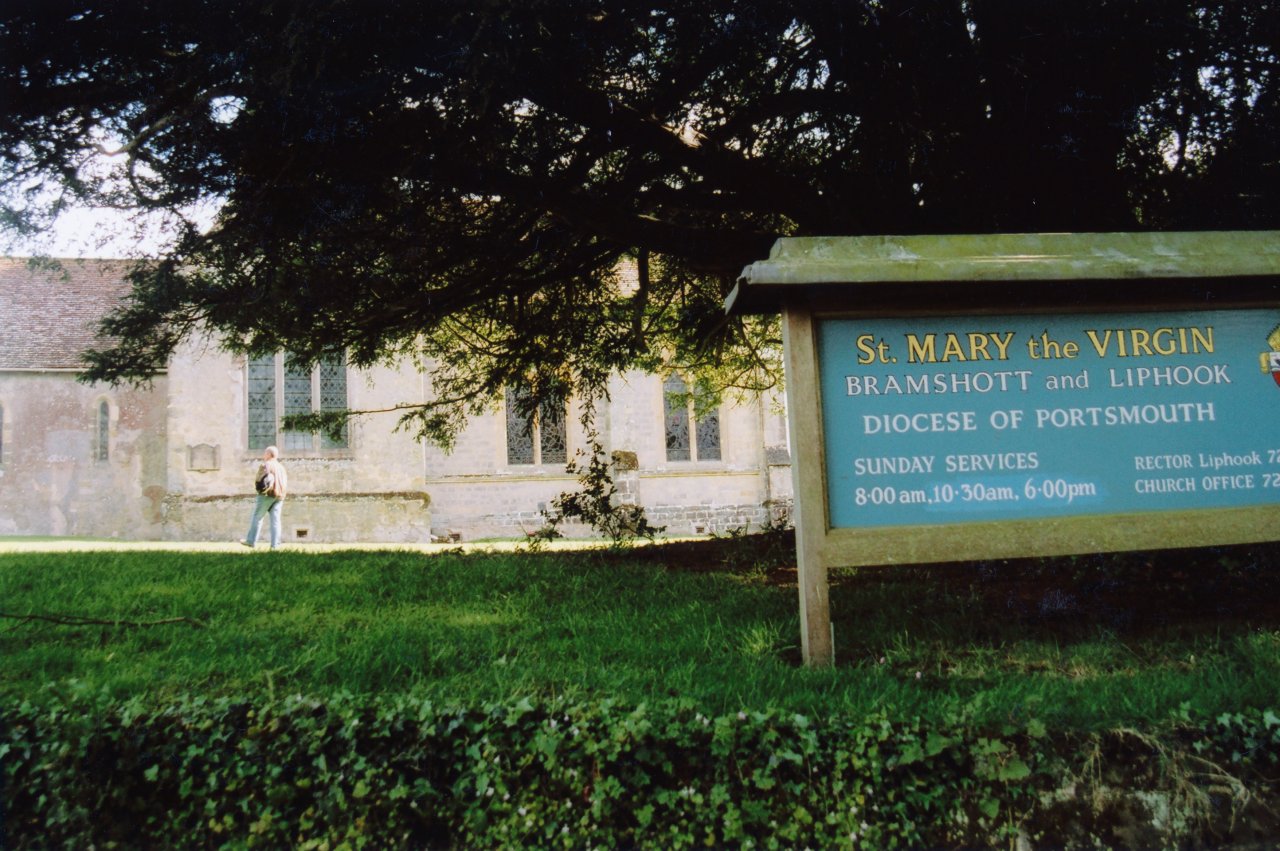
(1176, 594)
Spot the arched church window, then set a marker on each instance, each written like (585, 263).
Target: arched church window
(102, 434)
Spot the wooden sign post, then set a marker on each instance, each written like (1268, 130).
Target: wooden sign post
(997, 396)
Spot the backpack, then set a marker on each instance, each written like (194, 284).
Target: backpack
(265, 481)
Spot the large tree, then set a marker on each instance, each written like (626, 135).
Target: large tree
(457, 180)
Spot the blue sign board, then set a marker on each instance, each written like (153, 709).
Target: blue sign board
(939, 420)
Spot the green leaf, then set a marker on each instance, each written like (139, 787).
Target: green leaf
(912, 752)
(936, 743)
(1014, 769)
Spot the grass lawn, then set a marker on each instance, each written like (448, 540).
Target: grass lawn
(1089, 643)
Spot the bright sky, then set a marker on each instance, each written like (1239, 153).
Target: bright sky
(90, 233)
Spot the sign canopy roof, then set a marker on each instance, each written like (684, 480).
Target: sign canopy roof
(801, 266)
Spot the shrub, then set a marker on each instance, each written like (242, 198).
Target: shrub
(596, 503)
(403, 773)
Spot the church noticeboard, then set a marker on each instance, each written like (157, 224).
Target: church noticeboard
(963, 419)
(991, 396)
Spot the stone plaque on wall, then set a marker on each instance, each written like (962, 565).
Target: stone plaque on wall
(203, 457)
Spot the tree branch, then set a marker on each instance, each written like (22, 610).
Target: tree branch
(79, 620)
(729, 167)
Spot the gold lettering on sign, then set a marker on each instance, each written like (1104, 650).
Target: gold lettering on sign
(972, 346)
(1148, 342)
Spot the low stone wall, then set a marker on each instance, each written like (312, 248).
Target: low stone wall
(407, 518)
(707, 518)
(318, 518)
(679, 520)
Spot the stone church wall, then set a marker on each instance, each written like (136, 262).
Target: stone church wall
(306, 518)
(370, 491)
(55, 477)
(178, 465)
(477, 493)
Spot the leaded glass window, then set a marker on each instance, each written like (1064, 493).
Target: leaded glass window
(675, 400)
(297, 400)
(692, 430)
(551, 434)
(279, 386)
(519, 432)
(540, 441)
(707, 429)
(333, 397)
(262, 402)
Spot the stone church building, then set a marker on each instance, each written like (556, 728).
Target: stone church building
(174, 461)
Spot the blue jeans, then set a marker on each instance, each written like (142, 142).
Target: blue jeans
(266, 504)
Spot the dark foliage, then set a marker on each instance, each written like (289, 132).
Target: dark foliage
(458, 180)
(402, 773)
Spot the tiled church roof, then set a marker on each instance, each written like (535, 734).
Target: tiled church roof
(49, 314)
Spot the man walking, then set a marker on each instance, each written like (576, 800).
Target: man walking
(271, 483)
